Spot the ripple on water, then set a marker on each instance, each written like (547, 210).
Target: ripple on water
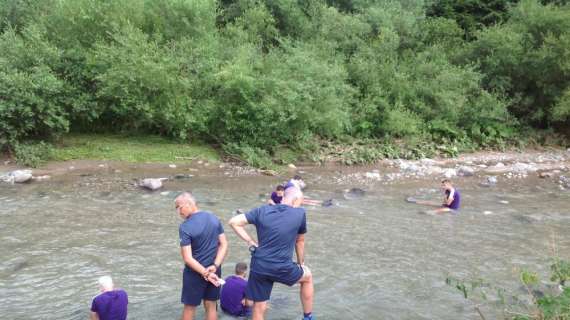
(373, 256)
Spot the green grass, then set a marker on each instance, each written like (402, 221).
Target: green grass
(130, 149)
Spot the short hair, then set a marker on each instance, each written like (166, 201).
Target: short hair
(292, 193)
(280, 188)
(106, 283)
(187, 197)
(241, 268)
(446, 181)
(297, 177)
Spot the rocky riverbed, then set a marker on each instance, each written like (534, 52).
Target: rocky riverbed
(486, 168)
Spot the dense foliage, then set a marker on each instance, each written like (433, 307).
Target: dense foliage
(253, 76)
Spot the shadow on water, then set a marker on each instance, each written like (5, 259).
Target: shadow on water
(372, 255)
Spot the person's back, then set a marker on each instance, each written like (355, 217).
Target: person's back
(232, 298)
(110, 304)
(277, 229)
(201, 230)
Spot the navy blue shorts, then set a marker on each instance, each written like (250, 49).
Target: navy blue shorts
(195, 288)
(259, 286)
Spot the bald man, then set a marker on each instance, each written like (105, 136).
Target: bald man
(203, 247)
(280, 228)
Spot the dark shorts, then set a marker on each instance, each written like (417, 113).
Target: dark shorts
(195, 288)
(259, 286)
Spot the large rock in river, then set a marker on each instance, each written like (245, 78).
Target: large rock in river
(152, 183)
(20, 176)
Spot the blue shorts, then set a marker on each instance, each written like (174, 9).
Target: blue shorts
(195, 288)
(259, 286)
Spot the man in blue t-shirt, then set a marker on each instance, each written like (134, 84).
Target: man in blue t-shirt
(280, 229)
(203, 246)
(232, 298)
(111, 303)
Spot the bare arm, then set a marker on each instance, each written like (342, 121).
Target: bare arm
(300, 248)
(222, 250)
(186, 252)
(94, 316)
(238, 223)
(449, 199)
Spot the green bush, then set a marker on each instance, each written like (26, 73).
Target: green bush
(266, 74)
(33, 154)
(30, 91)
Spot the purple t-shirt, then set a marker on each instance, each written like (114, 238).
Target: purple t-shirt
(456, 199)
(111, 305)
(232, 294)
(276, 199)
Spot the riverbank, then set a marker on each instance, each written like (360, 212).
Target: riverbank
(153, 157)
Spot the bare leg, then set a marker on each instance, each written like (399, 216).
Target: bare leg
(429, 203)
(307, 290)
(210, 307)
(311, 202)
(188, 312)
(258, 310)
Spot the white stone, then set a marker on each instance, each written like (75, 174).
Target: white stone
(152, 184)
(433, 170)
(521, 167)
(449, 173)
(20, 176)
(173, 166)
(372, 175)
(492, 180)
(428, 162)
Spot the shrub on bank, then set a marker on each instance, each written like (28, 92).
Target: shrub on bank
(263, 74)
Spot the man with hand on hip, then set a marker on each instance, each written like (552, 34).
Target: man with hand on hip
(203, 247)
(280, 228)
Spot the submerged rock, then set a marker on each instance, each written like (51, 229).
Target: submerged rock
(329, 203)
(466, 171)
(489, 182)
(545, 175)
(354, 193)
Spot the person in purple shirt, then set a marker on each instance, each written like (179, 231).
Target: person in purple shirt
(451, 200)
(232, 298)
(277, 195)
(110, 304)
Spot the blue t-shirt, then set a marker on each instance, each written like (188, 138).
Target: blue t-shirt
(277, 229)
(456, 199)
(232, 294)
(201, 231)
(111, 305)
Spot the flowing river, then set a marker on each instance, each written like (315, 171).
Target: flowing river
(373, 257)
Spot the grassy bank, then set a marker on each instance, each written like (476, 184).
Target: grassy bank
(130, 149)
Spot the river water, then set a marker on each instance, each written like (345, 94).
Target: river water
(373, 257)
